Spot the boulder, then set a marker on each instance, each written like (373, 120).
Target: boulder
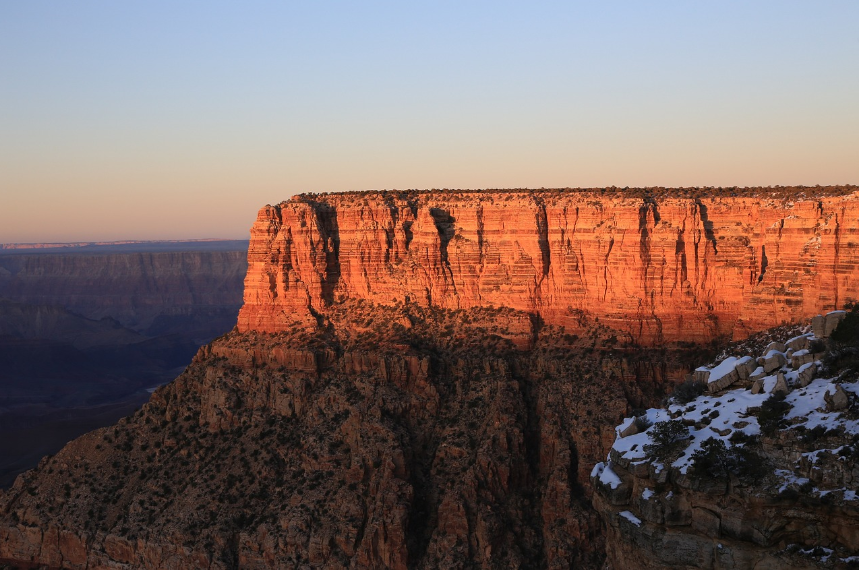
(837, 400)
(773, 360)
(806, 374)
(745, 367)
(831, 321)
(780, 385)
(629, 430)
(776, 346)
(800, 358)
(758, 387)
(818, 326)
(798, 343)
(701, 375)
(723, 382)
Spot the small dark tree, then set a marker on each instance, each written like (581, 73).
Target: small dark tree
(771, 415)
(642, 423)
(668, 440)
(688, 391)
(715, 460)
(844, 343)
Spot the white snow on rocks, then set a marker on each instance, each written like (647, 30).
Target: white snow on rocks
(631, 517)
(720, 415)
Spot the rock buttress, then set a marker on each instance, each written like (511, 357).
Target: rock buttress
(657, 269)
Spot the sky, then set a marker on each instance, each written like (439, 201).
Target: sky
(180, 119)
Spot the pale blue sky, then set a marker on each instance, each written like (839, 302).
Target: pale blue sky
(180, 119)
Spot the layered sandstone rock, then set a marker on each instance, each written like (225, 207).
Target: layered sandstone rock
(659, 269)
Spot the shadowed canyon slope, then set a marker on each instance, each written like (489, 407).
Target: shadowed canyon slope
(657, 267)
(84, 330)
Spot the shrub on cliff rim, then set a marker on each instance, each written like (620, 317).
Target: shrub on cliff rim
(771, 414)
(668, 439)
(642, 423)
(843, 350)
(714, 460)
(688, 391)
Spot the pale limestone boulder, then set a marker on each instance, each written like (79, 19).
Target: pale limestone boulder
(758, 374)
(773, 360)
(806, 374)
(776, 346)
(838, 400)
(798, 343)
(818, 324)
(723, 382)
(629, 430)
(831, 321)
(701, 375)
(800, 358)
(780, 385)
(745, 367)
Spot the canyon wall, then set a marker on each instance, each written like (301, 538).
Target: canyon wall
(661, 269)
(152, 292)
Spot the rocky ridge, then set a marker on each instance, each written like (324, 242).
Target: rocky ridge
(759, 471)
(426, 379)
(396, 436)
(657, 267)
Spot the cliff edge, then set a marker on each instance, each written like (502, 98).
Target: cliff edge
(659, 268)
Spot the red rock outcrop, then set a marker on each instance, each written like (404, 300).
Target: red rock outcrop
(660, 269)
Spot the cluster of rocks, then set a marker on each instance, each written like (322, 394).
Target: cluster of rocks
(797, 356)
(800, 510)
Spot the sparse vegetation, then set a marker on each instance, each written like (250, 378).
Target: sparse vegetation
(716, 461)
(668, 440)
(688, 390)
(772, 412)
(843, 349)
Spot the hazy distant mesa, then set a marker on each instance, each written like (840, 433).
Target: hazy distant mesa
(213, 244)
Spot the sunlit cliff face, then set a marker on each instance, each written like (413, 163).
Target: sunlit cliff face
(661, 269)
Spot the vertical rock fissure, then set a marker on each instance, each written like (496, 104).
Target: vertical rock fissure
(681, 274)
(764, 263)
(445, 225)
(480, 230)
(543, 237)
(649, 208)
(708, 225)
(330, 235)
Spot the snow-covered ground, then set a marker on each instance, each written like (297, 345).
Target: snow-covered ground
(723, 414)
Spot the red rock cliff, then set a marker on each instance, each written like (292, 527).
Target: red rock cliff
(662, 269)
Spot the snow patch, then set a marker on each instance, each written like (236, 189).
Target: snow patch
(631, 517)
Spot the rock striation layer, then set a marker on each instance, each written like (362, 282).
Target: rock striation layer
(659, 267)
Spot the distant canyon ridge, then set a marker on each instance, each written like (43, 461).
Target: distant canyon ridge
(658, 265)
(426, 379)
